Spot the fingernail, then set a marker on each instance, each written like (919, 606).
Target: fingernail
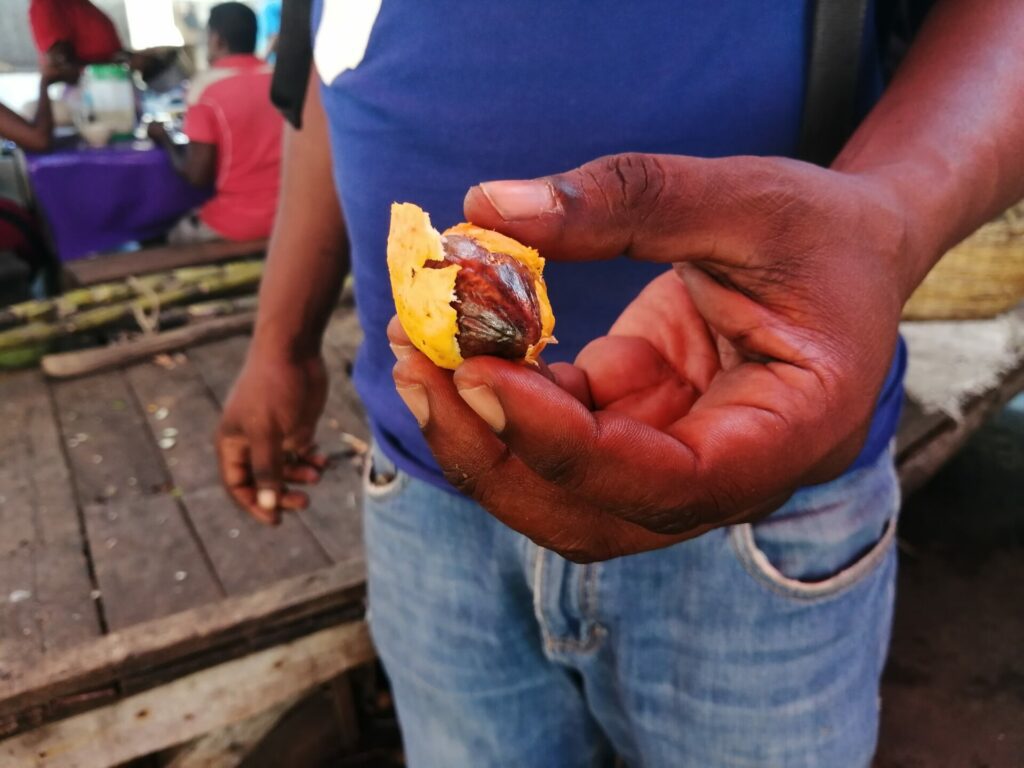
(415, 398)
(400, 351)
(518, 200)
(486, 405)
(267, 499)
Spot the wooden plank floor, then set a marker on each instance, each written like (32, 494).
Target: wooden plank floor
(123, 565)
(117, 531)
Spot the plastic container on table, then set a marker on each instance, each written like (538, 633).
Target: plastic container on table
(108, 97)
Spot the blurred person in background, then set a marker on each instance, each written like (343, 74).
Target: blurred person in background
(23, 253)
(73, 32)
(234, 135)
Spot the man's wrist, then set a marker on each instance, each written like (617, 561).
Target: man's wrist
(284, 341)
(925, 220)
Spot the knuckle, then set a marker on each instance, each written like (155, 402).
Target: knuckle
(580, 555)
(227, 428)
(462, 481)
(263, 474)
(633, 181)
(596, 544)
(683, 514)
(578, 549)
(479, 480)
(223, 437)
(677, 520)
(565, 470)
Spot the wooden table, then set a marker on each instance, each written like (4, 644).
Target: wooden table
(137, 602)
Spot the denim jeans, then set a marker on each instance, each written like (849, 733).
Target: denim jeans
(754, 646)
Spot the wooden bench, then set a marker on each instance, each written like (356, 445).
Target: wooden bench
(136, 602)
(105, 267)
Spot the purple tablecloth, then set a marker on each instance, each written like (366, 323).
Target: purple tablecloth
(99, 199)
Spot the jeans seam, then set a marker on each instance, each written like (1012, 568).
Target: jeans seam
(595, 633)
(553, 644)
(538, 598)
(589, 605)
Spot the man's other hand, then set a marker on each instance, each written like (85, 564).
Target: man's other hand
(265, 437)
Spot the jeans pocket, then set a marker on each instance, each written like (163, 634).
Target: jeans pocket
(381, 478)
(827, 538)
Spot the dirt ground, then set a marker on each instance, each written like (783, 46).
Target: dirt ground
(953, 692)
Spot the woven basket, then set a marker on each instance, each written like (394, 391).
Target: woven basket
(981, 277)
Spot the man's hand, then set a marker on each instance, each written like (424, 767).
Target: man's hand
(52, 71)
(157, 133)
(265, 438)
(62, 54)
(751, 368)
(195, 162)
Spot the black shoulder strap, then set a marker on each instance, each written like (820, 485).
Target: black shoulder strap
(833, 69)
(294, 57)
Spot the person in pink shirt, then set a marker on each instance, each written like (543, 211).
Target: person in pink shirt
(234, 136)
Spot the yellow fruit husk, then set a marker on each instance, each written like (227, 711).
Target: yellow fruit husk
(423, 295)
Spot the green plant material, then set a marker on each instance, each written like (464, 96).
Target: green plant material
(22, 357)
(187, 285)
(207, 309)
(79, 299)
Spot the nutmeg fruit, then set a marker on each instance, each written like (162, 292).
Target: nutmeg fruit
(466, 292)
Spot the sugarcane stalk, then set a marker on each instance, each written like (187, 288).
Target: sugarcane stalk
(180, 315)
(86, 361)
(79, 299)
(230, 277)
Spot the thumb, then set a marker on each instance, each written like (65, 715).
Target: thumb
(664, 208)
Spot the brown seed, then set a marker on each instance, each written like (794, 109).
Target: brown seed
(496, 300)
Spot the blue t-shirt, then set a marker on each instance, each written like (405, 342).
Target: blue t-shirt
(426, 99)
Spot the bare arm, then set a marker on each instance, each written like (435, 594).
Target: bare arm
(280, 393)
(308, 256)
(34, 136)
(948, 136)
(196, 162)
